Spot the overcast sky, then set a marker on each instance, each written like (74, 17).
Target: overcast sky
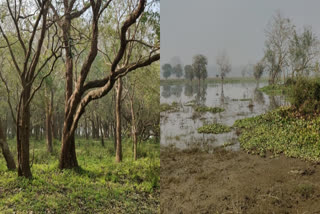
(190, 27)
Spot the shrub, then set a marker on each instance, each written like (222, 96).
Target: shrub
(305, 95)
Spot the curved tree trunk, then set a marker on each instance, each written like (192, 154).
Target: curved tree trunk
(6, 151)
(118, 122)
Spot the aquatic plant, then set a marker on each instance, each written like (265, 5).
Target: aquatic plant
(208, 109)
(281, 131)
(214, 128)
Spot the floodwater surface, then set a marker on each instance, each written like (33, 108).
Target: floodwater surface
(240, 100)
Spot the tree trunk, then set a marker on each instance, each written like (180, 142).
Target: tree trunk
(23, 133)
(86, 128)
(118, 122)
(5, 150)
(49, 123)
(134, 130)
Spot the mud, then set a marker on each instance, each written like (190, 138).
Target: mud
(235, 182)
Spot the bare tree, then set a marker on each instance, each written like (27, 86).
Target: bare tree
(224, 64)
(278, 33)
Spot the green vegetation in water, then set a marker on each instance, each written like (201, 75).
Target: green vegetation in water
(244, 99)
(281, 131)
(167, 107)
(99, 186)
(275, 89)
(214, 128)
(208, 109)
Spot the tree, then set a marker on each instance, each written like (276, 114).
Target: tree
(303, 51)
(278, 33)
(199, 66)
(11, 165)
(188, 72)
(224, 65)
(258, 70)
(178, 70)
(119, 58)
(29, 57)
(167, 70)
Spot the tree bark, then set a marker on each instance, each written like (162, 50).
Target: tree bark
(134, 130)
(6, 151)
(23, 133)
(49, 124)
(118, 121)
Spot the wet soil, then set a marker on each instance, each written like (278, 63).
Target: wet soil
(236, 182)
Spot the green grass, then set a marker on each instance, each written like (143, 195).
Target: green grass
(282, 131)
(99, 186)
(214, 128)
(208, 109)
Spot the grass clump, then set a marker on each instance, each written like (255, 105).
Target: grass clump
(168, 107)
(214, 128)
(281, 131)
(208, 109)
(99, 186)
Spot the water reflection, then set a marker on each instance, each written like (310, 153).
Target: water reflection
(180, 128)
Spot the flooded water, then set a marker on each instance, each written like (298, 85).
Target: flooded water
(180, 128)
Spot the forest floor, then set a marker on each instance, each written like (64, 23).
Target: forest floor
(236, 182)
(99, 186)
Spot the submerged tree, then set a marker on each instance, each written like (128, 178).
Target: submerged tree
(178, 70)
(188, 72)
(199, 67)
(258, 71)
(224, 65)
(167, 70)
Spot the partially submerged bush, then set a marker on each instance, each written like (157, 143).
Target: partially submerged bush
(305, 95)
(214, 128)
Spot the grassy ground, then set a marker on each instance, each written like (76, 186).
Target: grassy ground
(98, 186)
(282, 131)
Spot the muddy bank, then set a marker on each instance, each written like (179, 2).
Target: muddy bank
(236, 182)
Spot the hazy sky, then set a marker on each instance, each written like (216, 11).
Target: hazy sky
(189, 27)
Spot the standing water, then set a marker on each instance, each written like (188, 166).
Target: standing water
(240, 100)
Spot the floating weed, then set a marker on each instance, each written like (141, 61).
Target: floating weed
(214, 128)
(281, 131)
(208, 109)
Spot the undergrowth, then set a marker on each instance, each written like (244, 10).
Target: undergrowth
(99, 185)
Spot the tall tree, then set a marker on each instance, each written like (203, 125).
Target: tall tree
(303, 51)
(178, 70)
(30, 21)
(199, 66)
(85, 90)
(278, 33)
(167, 70)
(188, 72)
